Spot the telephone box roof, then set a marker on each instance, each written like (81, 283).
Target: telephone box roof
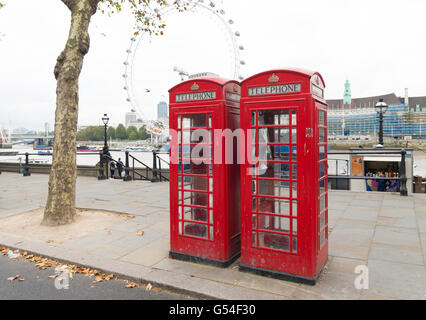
(218, 81)
(302, 72)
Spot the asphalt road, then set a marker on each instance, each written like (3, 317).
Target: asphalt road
(38, 285)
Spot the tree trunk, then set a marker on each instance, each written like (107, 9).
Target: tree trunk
(60, 207)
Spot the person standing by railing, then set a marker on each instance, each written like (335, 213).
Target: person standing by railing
(120, 166)
(112, 169)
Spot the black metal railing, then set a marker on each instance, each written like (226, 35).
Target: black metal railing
(25, 168)
(391, 151)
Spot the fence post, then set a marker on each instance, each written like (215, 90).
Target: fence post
(154, 167)
(127, 176)
(101, 175)
(403, 175)
(27, 172)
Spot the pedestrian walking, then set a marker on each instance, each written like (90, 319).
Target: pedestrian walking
(112, 169)
(120, 166)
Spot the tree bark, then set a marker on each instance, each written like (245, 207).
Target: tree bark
(60, 207)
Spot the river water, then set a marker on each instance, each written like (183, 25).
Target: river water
(83, 158)
(92, 158)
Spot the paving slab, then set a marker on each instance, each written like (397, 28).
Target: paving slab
(397, 280)
(385, 232)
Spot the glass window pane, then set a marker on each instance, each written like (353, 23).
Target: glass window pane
(253, 187)
(192, 168)
(194, 121)
(294, 135)
(254, 204)
(274, 135)
(294, 244)
(180, 212)
(294, 171)
(277, 206)
(211, 204)
(294, 189)
(254, 239)
(195, 229)
(323, 237)
(274, 241)
(274, 153)
(211, 233)
(294, 153)
(321, 134)
(195, 214)
(254, 221)
(274, 188)
(322, 220)
(293, 118)
(180, 227)
(253, 118)
(195, 183)
(294, 226)
(322, 204)
(273, 117)
(210, 120)
(322, 169)
(321, 118)
(195, 198)
(322, 186)
(294, 208)
(179, 122)
(274, 170)
(211, 216)
(322, 152)
(274, 223)
(252, 132)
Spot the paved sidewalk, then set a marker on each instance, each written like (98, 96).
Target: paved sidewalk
(386, 232)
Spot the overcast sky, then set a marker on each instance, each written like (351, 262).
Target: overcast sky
(378, 45)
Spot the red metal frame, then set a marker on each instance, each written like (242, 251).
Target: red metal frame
(281, 218)
(203, 231)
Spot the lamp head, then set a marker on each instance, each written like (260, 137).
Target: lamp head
(105, 119)
(381, 106)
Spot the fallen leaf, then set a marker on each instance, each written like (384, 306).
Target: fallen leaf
(149, 287)
(98, 279)
(131, 285)
(110, 232)
(53, 276)
(108, 277)
(49, 241)
(21, 279)
(13, 278)
(140, 233)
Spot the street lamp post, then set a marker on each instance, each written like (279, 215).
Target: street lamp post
(381, 108)
(103, 170)
(105, 120)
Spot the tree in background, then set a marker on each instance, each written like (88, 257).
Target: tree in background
(60, 207)
(132, 133)
(120, 132)
(111, 133)
(142, 133)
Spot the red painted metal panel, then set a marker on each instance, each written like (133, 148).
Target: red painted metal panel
(203, 197)
(281, 202)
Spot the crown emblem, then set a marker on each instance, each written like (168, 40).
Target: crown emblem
(195, 87)
(236, 89)
(274, 78)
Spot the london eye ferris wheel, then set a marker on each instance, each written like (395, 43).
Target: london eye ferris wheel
(151, 66)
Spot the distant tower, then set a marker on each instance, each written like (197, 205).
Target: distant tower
(347, 97)
(162, 110)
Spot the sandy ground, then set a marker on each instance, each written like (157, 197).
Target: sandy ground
(27, 225)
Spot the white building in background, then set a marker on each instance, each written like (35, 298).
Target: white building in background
(132, 118)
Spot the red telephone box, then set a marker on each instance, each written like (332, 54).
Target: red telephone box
(204, 190)
(284, 189)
